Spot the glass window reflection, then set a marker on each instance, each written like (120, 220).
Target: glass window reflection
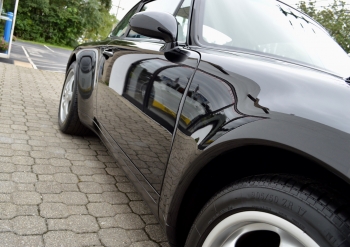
(138, 78)
(273, 28)
(123, 25)
(209, 105)
(182, 18)
(166, 93)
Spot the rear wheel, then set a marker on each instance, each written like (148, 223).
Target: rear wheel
(273, 211)
(68, 118)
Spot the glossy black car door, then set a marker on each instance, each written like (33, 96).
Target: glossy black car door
(138, 99)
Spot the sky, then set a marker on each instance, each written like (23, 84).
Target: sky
(126, 5)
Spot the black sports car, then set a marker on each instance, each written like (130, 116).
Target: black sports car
(231, 118)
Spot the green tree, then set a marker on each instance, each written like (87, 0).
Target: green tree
(335, 18)
(63, 21)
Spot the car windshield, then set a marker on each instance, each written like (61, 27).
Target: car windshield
(272, 28)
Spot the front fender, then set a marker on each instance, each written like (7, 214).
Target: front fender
(325, 145)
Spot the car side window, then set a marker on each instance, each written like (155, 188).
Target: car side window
(123, 25)
(182, 18)
(168, 6)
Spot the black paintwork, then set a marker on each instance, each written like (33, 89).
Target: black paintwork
(158, 25)
(166, 114)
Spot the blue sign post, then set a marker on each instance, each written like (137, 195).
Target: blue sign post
(8, 28)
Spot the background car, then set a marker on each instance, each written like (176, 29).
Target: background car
(230, 117)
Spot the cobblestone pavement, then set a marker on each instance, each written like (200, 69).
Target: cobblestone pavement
(56, 189)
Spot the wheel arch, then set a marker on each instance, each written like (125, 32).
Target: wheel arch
(219, 172)
(288, 148)
(72, 59)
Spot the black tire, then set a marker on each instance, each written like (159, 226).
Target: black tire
(320, 212)
(71, 124)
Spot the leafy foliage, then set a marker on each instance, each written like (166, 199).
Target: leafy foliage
(4, 46)
(335, 18)
(63, 22)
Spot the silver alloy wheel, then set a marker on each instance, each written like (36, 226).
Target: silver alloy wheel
(229, 231)
(67, 96)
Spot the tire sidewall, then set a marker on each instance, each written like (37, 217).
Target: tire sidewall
(284, 205)
(64, 125)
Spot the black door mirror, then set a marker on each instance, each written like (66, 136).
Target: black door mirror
(158, 25)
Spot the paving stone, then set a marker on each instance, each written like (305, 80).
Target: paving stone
(105, 158)
(114, 237)
(12, 240)
(74, 198)
(115, 171)
(7, 210)
(25, 187)
(140, 207)
(144, 244)
(22, 147)
(103, 179)
(66, 178)
(126, 187)
(164, 244)
(85, 179)
(25, 210)
(22, 160)
(149, 219)
(90, 187)
(29, 225)
(121, 179)
(69, 187)
(94, 164)
(70, 239)
(86, 151)
(49, 170)
(7, 186)
(7, 168)
(60, 162)
(6, 226)
(24, 177)
(26, 198)
(109, 188)
(115, 197)
(53, 210)
(129, 221)
(48, 187)
(155, 233)
(46, 178)
(5, 198)
(95, 198)
(59, 210)
(5, 176)
(101, 209)
(137, 235)
(134, 196)
(122, 209)
(75, 223)
(62, 190)
(80, 170)
(107, 222)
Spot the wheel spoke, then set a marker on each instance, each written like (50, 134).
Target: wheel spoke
(67, 96)
(66, 108)
(70, 96)
(288, 241)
